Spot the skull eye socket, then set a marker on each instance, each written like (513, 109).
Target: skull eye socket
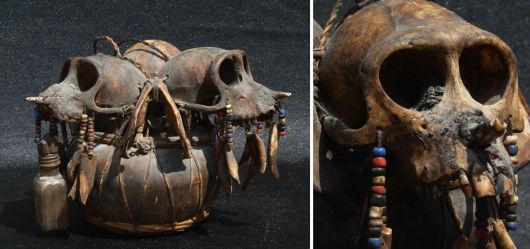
(484, 71)
(413, 78)
(65, 70)
(227, 72)
(87, 75)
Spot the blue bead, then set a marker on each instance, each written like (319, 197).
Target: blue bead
(512, 149)
(511, 226)
(37, 115)
(379, 151)
(260, 126)
(281, 112)
(374, 243)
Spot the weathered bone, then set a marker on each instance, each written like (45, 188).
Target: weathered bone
(482, 185)
(380, 71)
(501, 236)
(272, 151)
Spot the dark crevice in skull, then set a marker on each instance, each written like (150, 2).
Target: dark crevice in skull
(414, 78)
(227, 72)
(484, 72)
(65, 70)
(87, 75)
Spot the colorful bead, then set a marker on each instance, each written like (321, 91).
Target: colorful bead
(482, 233)
(259, 125)
(379, 162)
(281, 112)
(374, 232)
(375, 222)
(512, 149)
(281, 133)
(378, 200)
(378, 171)
(374, 243)
(379, 180)
(510, 217)
(380, 190)
(511, 226)
(375, 212)
(379, 151)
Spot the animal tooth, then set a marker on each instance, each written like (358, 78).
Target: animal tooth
(73, 189)
(87, 174)
(272, 152)
(499, 126)
(463, 178)
(502, 238)
(509, 140)
(261, 153)
(232, 166)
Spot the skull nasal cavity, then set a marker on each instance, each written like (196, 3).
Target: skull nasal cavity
(227, 71)
(413, 78)
(484, 72)
(87, 75)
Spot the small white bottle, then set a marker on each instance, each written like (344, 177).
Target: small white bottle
(50, 189)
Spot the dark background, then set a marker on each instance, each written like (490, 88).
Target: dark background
(510, 20)
(36, 37)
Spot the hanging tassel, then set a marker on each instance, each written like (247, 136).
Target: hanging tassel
(272, 151)
(231, 161)
(481, 221)
(281, 122)
(38, 125)
(508, 202)
(87, 170)
(377, 213)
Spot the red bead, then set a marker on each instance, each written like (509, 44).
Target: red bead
(379, 162)
(282, 133)
(380, 190)
(482, 233)
(37, 126)
(259, 131)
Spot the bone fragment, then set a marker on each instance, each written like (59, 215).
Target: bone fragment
(272, 151)
(35, 100)
(260, 154)
(482, 185)
(232, 166)
(501, 236)
(87, 174)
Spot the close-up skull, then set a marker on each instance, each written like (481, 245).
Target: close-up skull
(413, 103)
(146, 138)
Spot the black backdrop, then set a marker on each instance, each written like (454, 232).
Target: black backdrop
(36, 37)
(510, 21)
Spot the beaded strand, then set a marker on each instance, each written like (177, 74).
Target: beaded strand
(508, 203)
(82, 131)
(482, 232)
(377, 213)
(38, 130)
(229, 127)
(281, 122)
(90, 143)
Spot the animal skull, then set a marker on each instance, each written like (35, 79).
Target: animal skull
(100, 83)
(206, 79)
(440, 88)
